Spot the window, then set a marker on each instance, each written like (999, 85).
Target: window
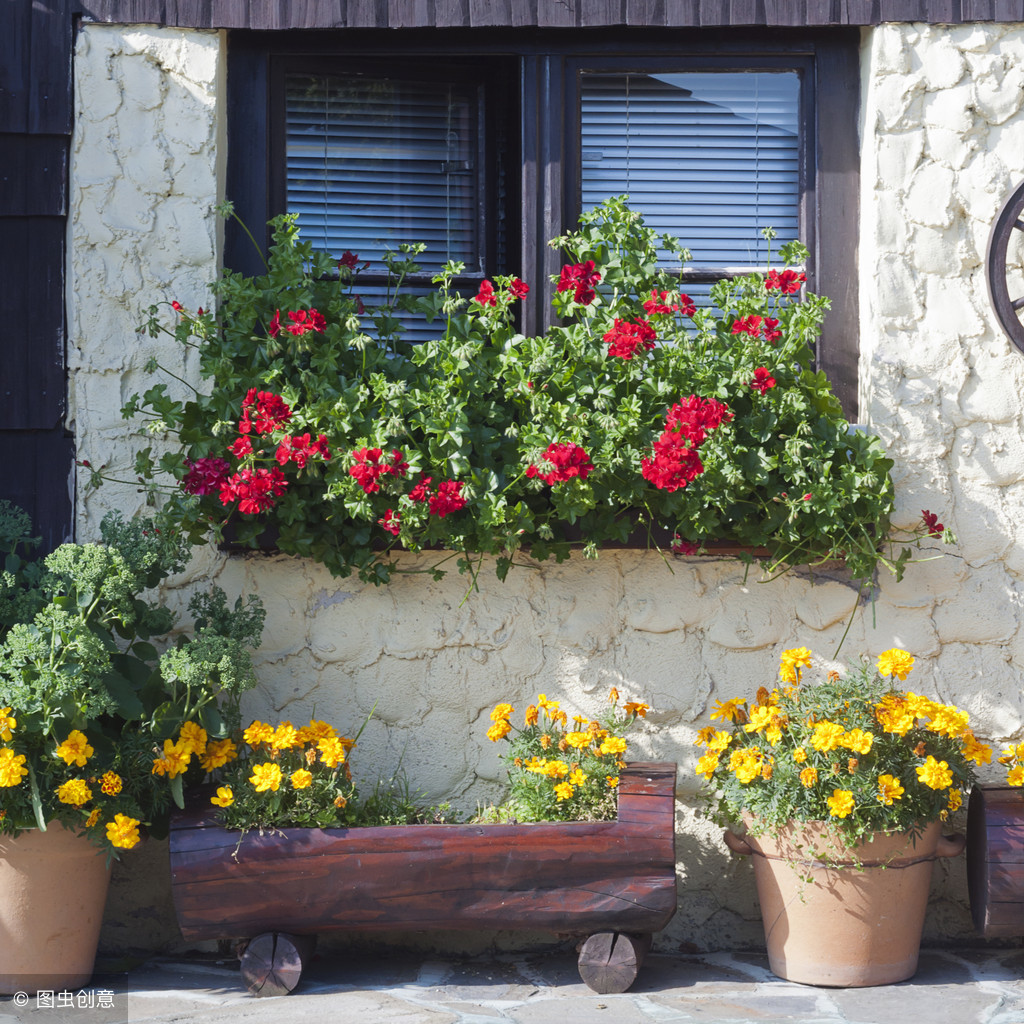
(484, 145)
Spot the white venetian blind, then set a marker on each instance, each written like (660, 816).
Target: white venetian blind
(372, 163)
(710, 157)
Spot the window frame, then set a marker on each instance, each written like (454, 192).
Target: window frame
(549, 62)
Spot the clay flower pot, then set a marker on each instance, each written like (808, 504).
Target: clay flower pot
(53, 887)
(843, 917)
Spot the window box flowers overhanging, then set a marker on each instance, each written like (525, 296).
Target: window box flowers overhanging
(639, 411)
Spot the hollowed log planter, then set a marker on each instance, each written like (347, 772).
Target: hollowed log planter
(995, 860)
(613, 881)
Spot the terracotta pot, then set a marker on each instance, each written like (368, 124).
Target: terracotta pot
(53, 886)
(839, 917)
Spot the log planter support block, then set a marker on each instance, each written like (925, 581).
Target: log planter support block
(573, 878)
(995, 860)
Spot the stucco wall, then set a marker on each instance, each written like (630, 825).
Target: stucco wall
(942, 118)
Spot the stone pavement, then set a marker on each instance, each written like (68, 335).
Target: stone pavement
(972, 987)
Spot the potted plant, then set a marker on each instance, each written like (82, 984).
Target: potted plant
(97, 728)
(640, 418)
(841, 789)
(287, 847)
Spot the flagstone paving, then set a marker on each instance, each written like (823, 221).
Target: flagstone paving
(972, 987)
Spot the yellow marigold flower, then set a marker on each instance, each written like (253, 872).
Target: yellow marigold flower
(224, 798)
(559, 717)
(123, 832)
(74, 792)
(7, 724)
(920, 707)
(791, 662)
(578, 740)
(895, 662)
(745, 764)
(893, 714)
(840, 803)
(613, 696)
(763, 696)
(760, 718)
(316, 730)
(826, 736)
(1015, 776)
(301, 779)
(257, 733)
(613, 745)
(502, 711)
(577, 776)
(935, 774)
(340, 802)
(612, 781)
(217, 754)
(94, 816)
(556, 769)
(563, 791)
(799, 755)
(767, 770)
(637, 708)
(75, 749)
(956, 798)
(974, 750)
(719, 741)
(532, 715)
(948, 720)
(286, 737)
(12, 768)
(536, 764)
(857, 740)
(545, 741)
(808, 777)
(111, 783)
(731, 710)
(193, 737)
(706, 765)
(545, 704)
(266, 777)
(332, 750)
(851, 764)
(705, 736)
(501, 728)
(174, 762)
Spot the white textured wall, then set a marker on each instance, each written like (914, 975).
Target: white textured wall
(942, 118)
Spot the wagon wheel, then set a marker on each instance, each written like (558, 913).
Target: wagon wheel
(1005, 259)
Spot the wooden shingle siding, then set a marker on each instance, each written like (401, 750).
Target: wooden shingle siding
(35, 129)
(399, 14)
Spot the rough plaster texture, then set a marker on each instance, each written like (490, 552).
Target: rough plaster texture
(943, 127)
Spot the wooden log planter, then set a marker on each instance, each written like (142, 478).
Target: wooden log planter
(995, 860)
(614, 881)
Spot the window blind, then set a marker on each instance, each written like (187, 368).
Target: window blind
(710, 157)
(372, 163)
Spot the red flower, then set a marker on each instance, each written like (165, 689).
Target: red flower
(932, 524)
(274, 327)
(658, 303)
(676, 460)
(763, 380)
(253, 489)
(625, 338)
(205, 475)
(684, 547)
(787, 281)
(579, 278)
(518, 289)
(695, 418)
(486, 297)
(348, 259)
(421, 492)
(390, 521)
(686, 305)
(771, 331)
(303, 320)
(241, 447)
(272, 412)
(369, 467)
(176, 306)
(748, 325)
(567, 460)
(300, 450)
(447, 499)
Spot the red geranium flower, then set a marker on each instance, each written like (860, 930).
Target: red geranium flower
(625, 338)
(787, 281)
(253, 489)
(518, 289)
(448, 498)
(421, 492)
(370, 466)
(205, 475)
(272, 412)
(566, 460)
(684, 547)
(348, 259)
(676, 460)
(763, 380)
(932, 524)
(391, 521)
(579, 278)
(658, 303)
(303, 320)
(486, 297)
(301, 449)
(241, 447)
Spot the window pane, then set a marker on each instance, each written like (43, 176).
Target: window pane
(372, 163)
(710, 157)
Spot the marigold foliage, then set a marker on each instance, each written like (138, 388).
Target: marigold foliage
(320, 428)
(851, 750)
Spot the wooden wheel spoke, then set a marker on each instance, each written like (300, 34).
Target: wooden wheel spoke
(1017, 303)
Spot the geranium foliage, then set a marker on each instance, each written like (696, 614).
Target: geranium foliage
(322, 428)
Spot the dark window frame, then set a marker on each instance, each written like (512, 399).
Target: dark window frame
(549, 62)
